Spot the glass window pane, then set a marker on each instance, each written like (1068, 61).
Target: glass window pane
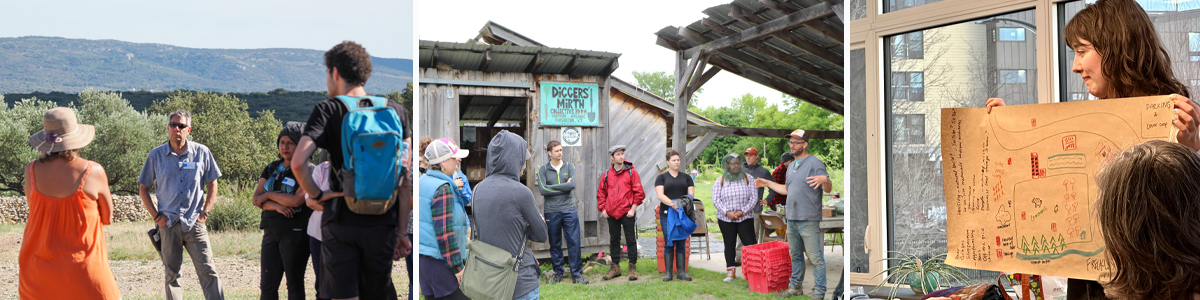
(895, 5)
(1178, 27)
(858, 9)
(856, 160)
(1012, 76)
(960, 68)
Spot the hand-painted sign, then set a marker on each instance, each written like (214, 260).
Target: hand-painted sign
(570, 104)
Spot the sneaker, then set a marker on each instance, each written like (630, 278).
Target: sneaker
(791, 292)
(556, 278)
(730, 274)
(581, 280)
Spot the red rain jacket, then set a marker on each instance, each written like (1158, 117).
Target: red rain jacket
(619, 191)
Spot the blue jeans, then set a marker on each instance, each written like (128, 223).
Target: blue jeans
(532, 295)
(561, 224)
(807, 235)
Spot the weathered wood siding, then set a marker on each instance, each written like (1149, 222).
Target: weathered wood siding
(643, 130)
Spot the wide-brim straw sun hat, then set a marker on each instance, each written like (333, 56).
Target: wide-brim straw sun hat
(61, 131)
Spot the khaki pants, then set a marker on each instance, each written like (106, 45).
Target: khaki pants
(174, 240)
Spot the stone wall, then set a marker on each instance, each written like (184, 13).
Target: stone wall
(125, 209)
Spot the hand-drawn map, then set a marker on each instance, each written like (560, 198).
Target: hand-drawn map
(1019, 182)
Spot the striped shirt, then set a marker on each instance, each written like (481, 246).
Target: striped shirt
(738, 195)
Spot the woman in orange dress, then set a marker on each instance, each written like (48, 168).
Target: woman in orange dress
(63, 253)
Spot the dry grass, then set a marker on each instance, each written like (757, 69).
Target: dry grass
(139, 271)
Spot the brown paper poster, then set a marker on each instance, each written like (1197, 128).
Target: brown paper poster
(1019, 182)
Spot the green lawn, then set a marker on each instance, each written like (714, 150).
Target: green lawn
(707, 285)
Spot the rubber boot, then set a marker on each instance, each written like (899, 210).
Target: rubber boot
(614, 271)
(668, 260)
(632, 271)
(681, 264)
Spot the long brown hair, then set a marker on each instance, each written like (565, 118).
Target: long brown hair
(1148, 206)
(1133, 58)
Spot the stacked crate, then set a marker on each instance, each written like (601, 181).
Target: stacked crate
(767, 266)
(661, 242)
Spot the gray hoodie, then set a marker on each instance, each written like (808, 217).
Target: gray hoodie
(554, 186)
(506, 215)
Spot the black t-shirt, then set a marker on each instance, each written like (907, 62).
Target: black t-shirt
(279, 179)
(324, 126)
(673, 187)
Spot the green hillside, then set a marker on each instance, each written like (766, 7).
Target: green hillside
(29, 64)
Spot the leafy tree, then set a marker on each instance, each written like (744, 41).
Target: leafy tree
(16, 125)
(241, 145)
(123, 137)
(663, 84)
(752, 111)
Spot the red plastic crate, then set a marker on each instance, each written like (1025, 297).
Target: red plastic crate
(763, 284)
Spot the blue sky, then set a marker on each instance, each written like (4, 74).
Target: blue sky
(384, 27)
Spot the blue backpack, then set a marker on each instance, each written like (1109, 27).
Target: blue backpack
(372, 143)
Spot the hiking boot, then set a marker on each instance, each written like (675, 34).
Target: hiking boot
(791, 292)
(556, 278)
(681, 265)
(730, 274)
(632, 271)
(614, 271)
(580, 280)
(668, 261)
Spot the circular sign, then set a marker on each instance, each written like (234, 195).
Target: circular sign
(571, 136)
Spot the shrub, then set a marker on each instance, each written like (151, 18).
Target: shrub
(234, 210)
(124, 137)
(241, 145)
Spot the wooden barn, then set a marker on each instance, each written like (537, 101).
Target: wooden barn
(505, 81)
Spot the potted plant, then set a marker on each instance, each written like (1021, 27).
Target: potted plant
(922, 276)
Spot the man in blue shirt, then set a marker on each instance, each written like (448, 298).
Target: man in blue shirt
(179, 168)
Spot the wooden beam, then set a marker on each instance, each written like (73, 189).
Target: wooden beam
(534, 63)
(717, 27)
(821, 27)
(693, 36)
(763, 132)
(570, 67)
(693, 83)
(780, 72)
(787, 37)
(694, 148)
(611, 67)
(782, 86)
(696, 84)
(685, 76)
(500, 112)
(487, 60)
(813, 13)
(785, 58)
(669, 43)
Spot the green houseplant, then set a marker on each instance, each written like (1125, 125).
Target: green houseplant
(922, 276)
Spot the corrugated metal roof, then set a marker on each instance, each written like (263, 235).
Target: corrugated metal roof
(812, 76)
(516, 59)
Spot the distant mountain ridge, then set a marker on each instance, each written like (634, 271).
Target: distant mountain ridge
(35, 63)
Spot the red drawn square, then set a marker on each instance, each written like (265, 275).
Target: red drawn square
(1022, 215)
(1068, 142)
(1054, 227)
(999, 254)
(1033, 121)
(997, 240)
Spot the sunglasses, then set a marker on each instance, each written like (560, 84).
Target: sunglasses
(177, 125)
(795, 143)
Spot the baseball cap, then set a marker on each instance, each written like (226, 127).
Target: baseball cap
(442, 149)
(751, 151)
(798, 133)
(786, 157)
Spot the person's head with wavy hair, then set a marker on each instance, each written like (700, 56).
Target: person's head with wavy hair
(1131, 60)
(1148, 206)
